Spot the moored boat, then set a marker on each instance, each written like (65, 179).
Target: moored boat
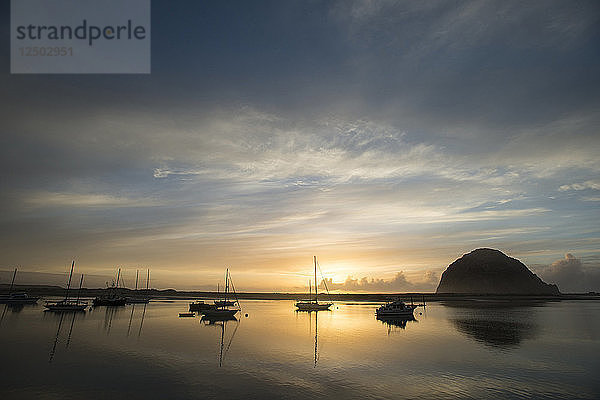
(137, 298)
(396, 309)
(66, 304)
(112, 299)
(17, 298)
(221, 309)
(313, 304)
(200, 305)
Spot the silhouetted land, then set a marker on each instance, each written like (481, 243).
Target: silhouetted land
(490, 271)
(44, 290)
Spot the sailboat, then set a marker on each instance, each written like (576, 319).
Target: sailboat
(137, 299)
(67, 304)
(221, 310)
(112, 298)
(17, 298)
(313, 304)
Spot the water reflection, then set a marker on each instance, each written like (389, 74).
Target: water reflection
(396, 322)
(316, 339)
(109, 315)
(61, 317)
(222, 323)
(495, 324)
(276, 354)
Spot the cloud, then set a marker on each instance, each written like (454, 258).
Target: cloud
(571, 275)
(399, 283)
(591, 184)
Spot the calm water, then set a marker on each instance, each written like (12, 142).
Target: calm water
(462, 350)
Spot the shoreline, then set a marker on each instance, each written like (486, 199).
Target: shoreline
(172, 294)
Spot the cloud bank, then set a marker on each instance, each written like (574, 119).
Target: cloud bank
(399, 283)
(571, 275)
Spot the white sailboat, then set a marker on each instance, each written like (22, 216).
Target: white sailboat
(313, 304)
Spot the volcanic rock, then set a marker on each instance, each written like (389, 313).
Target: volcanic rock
(489, 271)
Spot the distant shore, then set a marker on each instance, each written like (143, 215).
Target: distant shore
(53, 291)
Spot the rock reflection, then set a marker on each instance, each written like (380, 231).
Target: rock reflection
(495, 324)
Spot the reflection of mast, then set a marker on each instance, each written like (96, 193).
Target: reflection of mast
(143, 315)
(222, 336)
(108, 317)
(71, 328)
(53, 351)
(131, 317)
(223, 350)
(3, 313)
(316, 336)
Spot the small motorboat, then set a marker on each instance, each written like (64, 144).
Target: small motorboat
(200, 305)
(396, 309)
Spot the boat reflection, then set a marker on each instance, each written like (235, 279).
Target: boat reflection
(72, 316)
(316, 339)
(396, 322)
(222, 323)
(131, 318)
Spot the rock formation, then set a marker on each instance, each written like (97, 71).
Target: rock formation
(489, 271)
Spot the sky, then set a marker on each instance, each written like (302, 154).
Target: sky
(386, 138)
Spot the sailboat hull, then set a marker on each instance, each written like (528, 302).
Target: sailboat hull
(313, 306)
(65, 306)
(217, 313)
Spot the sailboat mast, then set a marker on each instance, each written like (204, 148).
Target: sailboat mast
(148, 280)
(316, 285)
(309, 290)
(79, 291)
(69, 283)
(13, 281)
(136, 279)
(226, 284)
(118, 276)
